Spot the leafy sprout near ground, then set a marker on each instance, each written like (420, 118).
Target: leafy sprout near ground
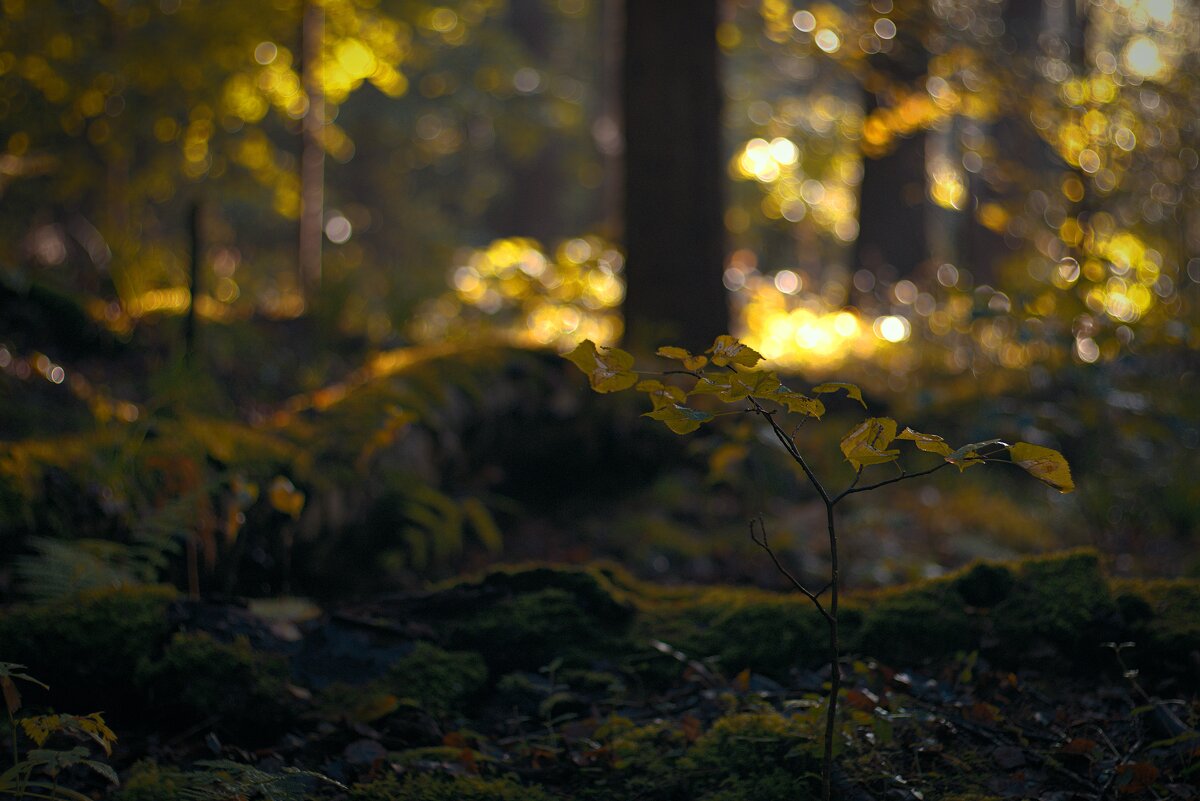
(19, 779)
(737, 381)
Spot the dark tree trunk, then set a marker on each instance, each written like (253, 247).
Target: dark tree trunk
(892, 219)
(891, 214)
(312, 155)
(674, 206)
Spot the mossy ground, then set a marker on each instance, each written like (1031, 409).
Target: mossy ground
(537, 682)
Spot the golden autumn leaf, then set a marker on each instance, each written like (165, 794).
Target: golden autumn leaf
(1045, 464)
(39, 727)
(691, 361)
(727, 350)
(608, 369)
(970, 455)
(867, 442)
(796, 402)
(931, 443)
(852, 390)
(661, 394)
(680, 419)
(759, 383)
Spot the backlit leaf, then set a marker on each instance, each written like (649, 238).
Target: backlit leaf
(727, 350)
(93, 726)
(796, 402)
(852, 390)
(608, 369)
(1045, 464)
(712, 384)
(867, 443)
(40, 727)
(691, 361)
(680, 419)
(661, 394)
(975, 453)
(758, 383)
(926, 442)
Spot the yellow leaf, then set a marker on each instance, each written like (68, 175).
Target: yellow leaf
(1045, 464)
(727, 350)
(759, 383)
(931, 443)
(690, 361)
(797, 403)
(969, 455)
(94, 726)
(866, 442)
(680, 419)
(661, 394)
(608, 369)
(709, 384)
(39, 727)
(852, 390)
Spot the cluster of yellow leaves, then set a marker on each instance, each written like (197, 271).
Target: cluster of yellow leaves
(868, 443)
(91, 727)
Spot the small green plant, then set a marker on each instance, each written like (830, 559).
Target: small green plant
(19, 780)
(734, 379)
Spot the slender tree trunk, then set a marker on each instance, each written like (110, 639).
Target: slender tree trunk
(674, 208)
(195, 249)
(891, 211)
(606, 130)
(312, 154)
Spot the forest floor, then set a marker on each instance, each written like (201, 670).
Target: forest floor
(537, 683)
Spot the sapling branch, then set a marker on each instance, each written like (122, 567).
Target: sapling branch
(790, 447)
(762, 542)
(904, 476)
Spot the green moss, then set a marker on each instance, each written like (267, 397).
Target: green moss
(1162, 619)
(650, 748)
(1061, 603)
(774, 785)
(596, 590)
(88, 647)
(439, 680)
(748, 745)
(446, 788)
(984, 584)
(911, 625)
(529, 630)
(147, 781)
(767, 636)
(199, 678)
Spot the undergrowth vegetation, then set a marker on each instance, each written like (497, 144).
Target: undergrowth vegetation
(683, 692)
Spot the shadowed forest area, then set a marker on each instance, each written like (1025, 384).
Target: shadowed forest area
(505, 400)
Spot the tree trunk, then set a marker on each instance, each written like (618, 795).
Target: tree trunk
(674, 209)
(312, 154)
(891, 212)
